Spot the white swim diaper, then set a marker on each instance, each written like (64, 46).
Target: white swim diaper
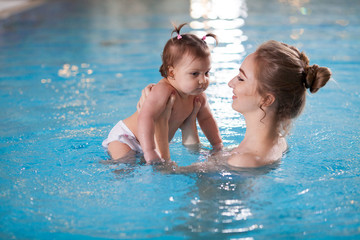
(120, 132)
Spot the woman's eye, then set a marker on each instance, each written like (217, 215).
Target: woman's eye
(207, 74)
(240, 79)
(195, 74)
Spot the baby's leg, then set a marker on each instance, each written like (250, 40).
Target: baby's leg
(118, 150)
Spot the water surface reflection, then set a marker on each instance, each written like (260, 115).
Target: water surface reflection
(225, 19)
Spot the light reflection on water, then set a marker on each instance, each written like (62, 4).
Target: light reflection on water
(228, 215)
(217, 9)
(225, 19)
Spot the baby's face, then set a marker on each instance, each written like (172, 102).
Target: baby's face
(191, 75)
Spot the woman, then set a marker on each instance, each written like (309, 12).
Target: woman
(270, 91)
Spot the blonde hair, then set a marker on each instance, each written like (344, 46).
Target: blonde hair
(182, 44)
(283, 71)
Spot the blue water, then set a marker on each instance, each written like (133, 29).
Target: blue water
(69, 70)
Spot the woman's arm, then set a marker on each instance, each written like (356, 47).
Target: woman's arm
(161, 124)
(162, 130)
(189, 130)
(151, 110)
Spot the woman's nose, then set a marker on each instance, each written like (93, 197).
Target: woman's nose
(230, 84)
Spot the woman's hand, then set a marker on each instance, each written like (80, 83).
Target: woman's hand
(144, 93)
(189, 130)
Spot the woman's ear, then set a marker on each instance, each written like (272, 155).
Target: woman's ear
(268, 100)
(171, 72)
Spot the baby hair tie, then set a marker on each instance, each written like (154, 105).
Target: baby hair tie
(179, 36)
(203, 38)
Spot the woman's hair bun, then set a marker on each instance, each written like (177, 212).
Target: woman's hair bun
(316, 77)
(303, 58)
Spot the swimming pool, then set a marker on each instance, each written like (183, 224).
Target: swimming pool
(71, 69)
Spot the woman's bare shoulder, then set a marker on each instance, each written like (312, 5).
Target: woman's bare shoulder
(246, 160)
(248, 157)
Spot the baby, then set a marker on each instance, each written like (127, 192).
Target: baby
(185, 71)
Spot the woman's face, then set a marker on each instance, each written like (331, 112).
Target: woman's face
(246, 97)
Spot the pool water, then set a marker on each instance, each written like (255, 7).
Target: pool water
(71, 69)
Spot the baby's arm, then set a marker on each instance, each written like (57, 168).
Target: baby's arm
(150, 111)
(208, 124)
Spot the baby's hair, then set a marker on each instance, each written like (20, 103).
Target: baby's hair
(284, 71)
(182, 44)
